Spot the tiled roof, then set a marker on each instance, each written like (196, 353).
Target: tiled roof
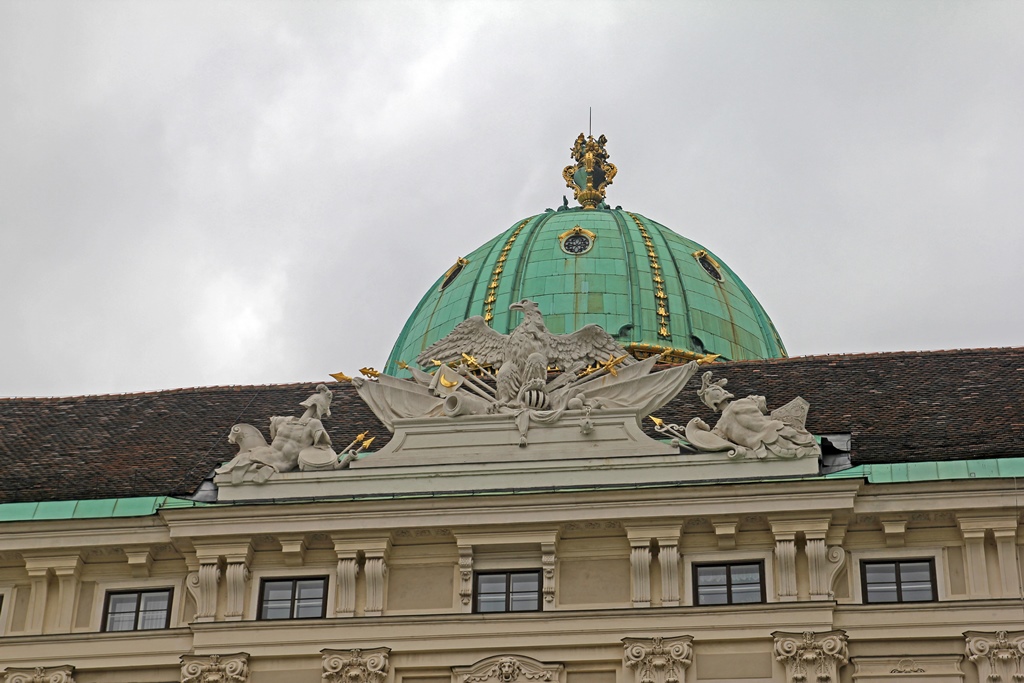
(899, 407)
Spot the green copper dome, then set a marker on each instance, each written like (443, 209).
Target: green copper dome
(652, 289)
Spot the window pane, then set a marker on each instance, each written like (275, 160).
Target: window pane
(883, 592)
(491, 583)
(524, 602)
(155, 601)
(745, 573)
(309, 590)
(152, 619)
(746, 593)
(712, 595)
(276, 610)
(123, 603)
(711, 576)
(880, 573)
(916, 581)
(123, 621)
(525, 582)
(490, 603)
(277, 590)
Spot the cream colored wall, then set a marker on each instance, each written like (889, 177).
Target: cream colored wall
(592, 537)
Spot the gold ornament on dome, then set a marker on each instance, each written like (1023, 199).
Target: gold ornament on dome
(591, 158)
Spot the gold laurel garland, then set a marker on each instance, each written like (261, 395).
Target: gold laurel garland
(492, 288)
(659, 282)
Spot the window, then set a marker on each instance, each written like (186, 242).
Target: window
(508, 592)
(736, 583)
(898, 581)
(137, 610)
(293, 598)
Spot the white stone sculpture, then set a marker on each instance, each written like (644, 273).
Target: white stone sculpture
(811, 657)
(658, 660)
(746, 429)
(597, 374)
(355, 666)
(508, 669)
(294, 441)
(233, 668)
(41, 674)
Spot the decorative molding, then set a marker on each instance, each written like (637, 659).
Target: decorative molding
(204, 590)
(668, 559)
(232, 668)
(640, 573)
(924, 668)
(547, 562)
(355, 666)
(507, 669)
(294, 551)
(238, 576)
(726, 533)
(41, 674)
(140, 562)
(658, 660)
(785, 567)
(823, 565)
(466, 577)
(811, 657)
(376, 572)
(895, 532)
(998, 655)
(348, 571)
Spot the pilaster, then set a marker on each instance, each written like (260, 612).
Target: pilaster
(376, 574)
(547, 563)
(66, 569)
(1004, 531)
(233, 668)
(785, 562)
(658, 660)
(348, 571)
(999, 655)
(466, 576)
(40, 674)
(640, 540)
(810, 656)
(201, 583)
(640, 573)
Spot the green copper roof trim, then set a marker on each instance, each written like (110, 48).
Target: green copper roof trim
(102, 508)
(898, 473)
(611, 285)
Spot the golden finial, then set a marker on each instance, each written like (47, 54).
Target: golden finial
(369, 372)
(341, 377)
(657, 422)
(591, 173)
(402, 365)
(366, 444)
(436, 362)
(708, 358)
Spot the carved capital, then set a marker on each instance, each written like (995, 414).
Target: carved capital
(355, 666)
(658, 660)
(998, 655)
(811, 657)
(508, 669)
(232, 668)
(41, 674)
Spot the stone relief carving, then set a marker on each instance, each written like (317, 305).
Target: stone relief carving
(507, 669)
(907, 666)
(41, 674)
(999, 656)
(355, 666)
(296, 442)
(658, 660)
(233, 668)
(597, 374)
(747, 430)
(810, 656)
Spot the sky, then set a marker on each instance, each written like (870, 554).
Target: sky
(224, 193)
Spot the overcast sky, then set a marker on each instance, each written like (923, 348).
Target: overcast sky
(230, 193)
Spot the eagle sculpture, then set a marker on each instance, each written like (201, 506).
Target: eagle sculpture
(523, 356)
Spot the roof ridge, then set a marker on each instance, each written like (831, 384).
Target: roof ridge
(164, 392)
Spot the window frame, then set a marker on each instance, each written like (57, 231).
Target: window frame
(696, 566)
(139, 592)
(294, 580)
(932, 576)
(507, 573)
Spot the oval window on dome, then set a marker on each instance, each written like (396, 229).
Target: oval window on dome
(453, 272)
(576, 241)
(709, 264)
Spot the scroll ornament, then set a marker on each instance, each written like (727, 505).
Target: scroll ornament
(355, 666)
(658, 660)
(233, 668)
(999, 656)
(811, 657)
(41, 674)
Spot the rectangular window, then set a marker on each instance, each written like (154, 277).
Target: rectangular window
(137, 610)
(898, 581)
(293, 598)
(508, 592)
(733, 583)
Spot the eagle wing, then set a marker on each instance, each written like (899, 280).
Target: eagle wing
(589, 343)
(472, 336)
